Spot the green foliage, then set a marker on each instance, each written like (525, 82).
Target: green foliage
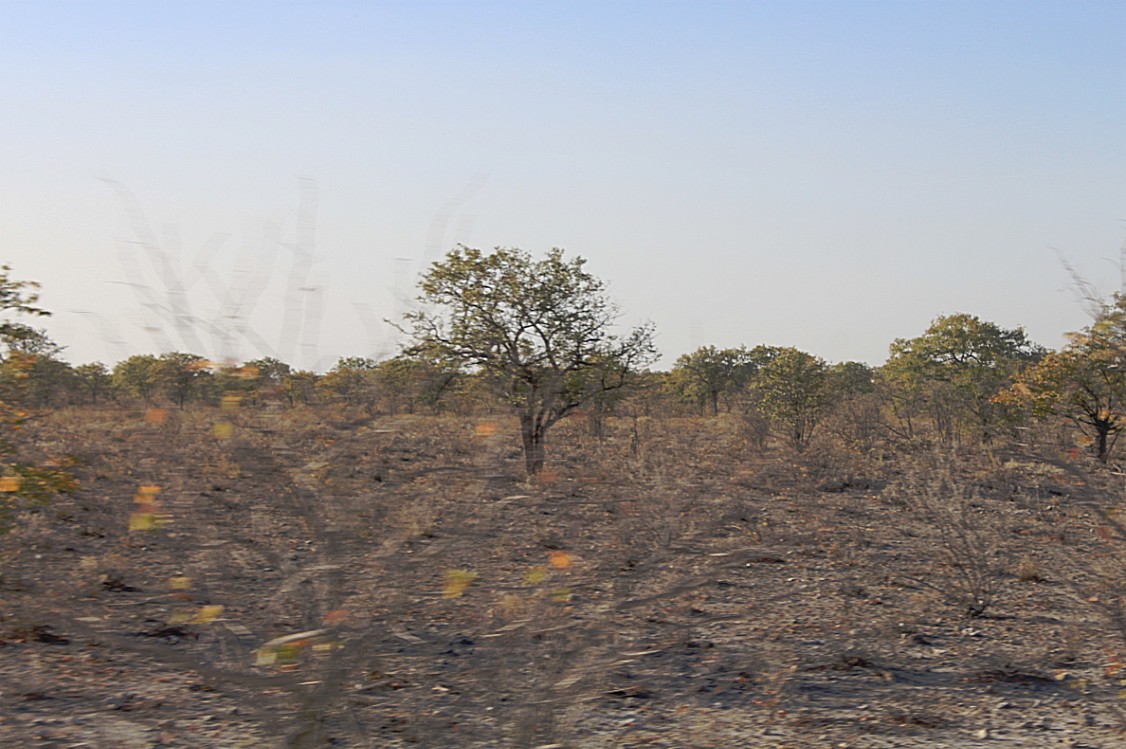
(21, 298)
(793, 391)
(268, 371)
(176, 376)
(29, 354)
(1084, 382)
(23, 484)
(181, 375)
(540, 331)
(856, 409)
(299, 386)
(94, 380)
(412, 381)
(953, 371)
(137, 376)
(352, 382)
(43, 380)
(708, 373)
(851, 379)
(31, 372)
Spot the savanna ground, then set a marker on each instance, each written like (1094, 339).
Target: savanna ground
(304, 578)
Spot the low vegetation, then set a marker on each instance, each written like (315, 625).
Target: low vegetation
(756, 548)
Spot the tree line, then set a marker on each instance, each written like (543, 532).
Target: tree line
(502, 330)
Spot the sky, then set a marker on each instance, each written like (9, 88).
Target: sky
(245, 179)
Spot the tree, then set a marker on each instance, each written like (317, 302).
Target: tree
(793, 388)
(139, 376)
(540, 331)
(352, 381)
(299, 385)
(21, 481)
(262, 379)
(413, 381)
(708, 373)
(1084, 382)
(46, 381)
(94, 379)
(954, 370)
(21, 298)
(31, 371)
(182, 375)
(856, 409)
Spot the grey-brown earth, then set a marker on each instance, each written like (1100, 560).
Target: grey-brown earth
(668, 584)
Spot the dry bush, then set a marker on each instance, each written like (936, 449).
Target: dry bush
(664, 583)
(858, 423)
(967, 532)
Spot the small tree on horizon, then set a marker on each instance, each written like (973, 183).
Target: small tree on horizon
(708, 373)
(539, 330)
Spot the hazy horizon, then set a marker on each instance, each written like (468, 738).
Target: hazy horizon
(825, 175)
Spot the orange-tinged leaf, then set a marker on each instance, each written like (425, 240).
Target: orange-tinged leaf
(546, 477)
(559, 560)
(156, 415)
(335, 616)
(485, 429)
(10, 483)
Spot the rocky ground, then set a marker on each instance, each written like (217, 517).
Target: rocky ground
(304, 579)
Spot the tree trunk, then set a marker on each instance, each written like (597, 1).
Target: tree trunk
(532, 435)
(1102, 435)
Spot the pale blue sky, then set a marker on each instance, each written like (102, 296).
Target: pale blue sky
(828, 175)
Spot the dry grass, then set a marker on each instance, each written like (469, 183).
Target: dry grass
(665, 583)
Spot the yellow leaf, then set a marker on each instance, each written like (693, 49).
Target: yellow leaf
(456, 583)
(221, 430)
(230, 402)
(207, 614)
(180, 583)
(10, 483)
(142, 521)
(179, 617)
(561, 595)
(535, 575)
